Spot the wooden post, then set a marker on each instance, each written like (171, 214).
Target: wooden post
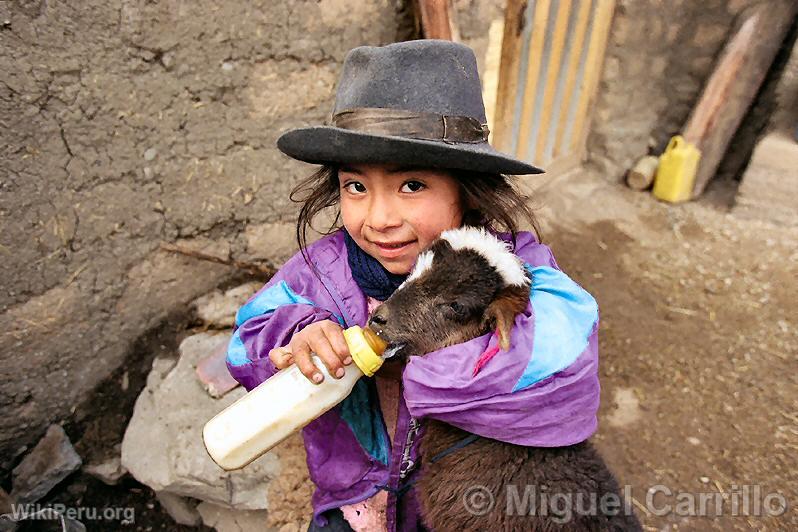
(641, 176)
(436, 20)
(508, 74)
(734, 83)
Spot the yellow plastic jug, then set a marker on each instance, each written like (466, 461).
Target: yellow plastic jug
(676, 171)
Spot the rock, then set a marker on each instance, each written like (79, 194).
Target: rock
(227, 520)
(183, 510)
(218, 309)
(150, 154)
(50, 462)
(56, 520)
(160, 369)
(213, 373)
(77, 489)
(5, 502)
(70, 525)
(168, 60)
(109, 471)
(6, 509)
(627, 409)
(163, 447)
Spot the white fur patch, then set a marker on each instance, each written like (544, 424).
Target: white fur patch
(495, 251)
(423, 263)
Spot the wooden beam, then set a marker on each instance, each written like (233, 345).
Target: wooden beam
(490, 77)
(508, 74)
(436, 18)
(735, 82)
(641, 176)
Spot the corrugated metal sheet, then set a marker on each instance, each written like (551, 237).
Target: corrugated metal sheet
(551, 57)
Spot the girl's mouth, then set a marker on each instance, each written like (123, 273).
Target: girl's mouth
(392, 249)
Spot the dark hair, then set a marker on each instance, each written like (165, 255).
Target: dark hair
(489, 200)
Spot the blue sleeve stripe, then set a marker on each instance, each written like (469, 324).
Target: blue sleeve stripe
(236, 354)
(267, 301)
(565, 315)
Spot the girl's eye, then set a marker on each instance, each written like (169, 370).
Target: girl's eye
(355, 187)
(412, 186)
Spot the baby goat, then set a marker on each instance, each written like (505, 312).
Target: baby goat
(465, 285)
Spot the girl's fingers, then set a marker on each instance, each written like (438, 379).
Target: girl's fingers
(301, 351)
(325, 339)
(322, 347)
(281, 357)
(335, 335)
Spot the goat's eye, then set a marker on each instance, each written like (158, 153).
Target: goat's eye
(455, 310)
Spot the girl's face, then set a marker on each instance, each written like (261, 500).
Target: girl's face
(394, 212)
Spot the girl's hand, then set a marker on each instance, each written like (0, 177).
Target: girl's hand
(325, 339)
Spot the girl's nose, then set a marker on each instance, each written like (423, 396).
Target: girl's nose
(383, 213)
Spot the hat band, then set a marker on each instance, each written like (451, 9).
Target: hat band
(412, 124)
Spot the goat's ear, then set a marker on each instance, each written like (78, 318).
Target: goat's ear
(502, 311)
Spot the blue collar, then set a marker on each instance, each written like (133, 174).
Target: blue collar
(369, 274)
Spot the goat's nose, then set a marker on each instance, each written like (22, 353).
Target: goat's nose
(379, 318)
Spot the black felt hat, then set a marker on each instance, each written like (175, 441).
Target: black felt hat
(416, 102)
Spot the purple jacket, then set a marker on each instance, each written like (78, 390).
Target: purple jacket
(543, 392)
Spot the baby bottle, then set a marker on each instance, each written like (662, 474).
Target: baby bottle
(285, 403)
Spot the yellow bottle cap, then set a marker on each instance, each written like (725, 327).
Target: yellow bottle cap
(363, 354)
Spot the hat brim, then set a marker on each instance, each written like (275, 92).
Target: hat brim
(326, 144)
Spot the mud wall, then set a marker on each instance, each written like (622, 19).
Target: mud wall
(129, 123)
(786, 115)
(473, 19)
(658, 59)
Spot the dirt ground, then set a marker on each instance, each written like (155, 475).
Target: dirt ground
(698, 313)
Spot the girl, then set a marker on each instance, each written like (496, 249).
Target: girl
(407, 157)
